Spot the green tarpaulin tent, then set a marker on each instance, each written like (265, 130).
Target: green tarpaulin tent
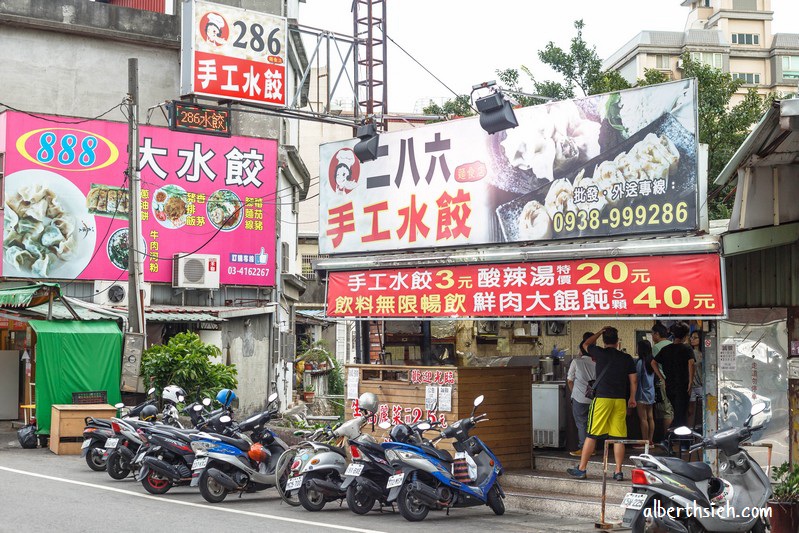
(74, 356)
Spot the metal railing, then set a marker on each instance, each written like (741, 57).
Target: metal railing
(602, 524)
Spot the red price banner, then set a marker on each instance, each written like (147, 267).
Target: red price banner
(673, 285)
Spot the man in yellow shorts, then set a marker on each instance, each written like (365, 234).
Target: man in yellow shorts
(614, 393)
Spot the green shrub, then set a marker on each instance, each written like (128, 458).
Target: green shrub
(185, 361)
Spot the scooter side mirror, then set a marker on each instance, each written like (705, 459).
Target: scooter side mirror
(423, 426)
(683, 431)
(151, 391)
(384, 425)
(197, 408)
(119, 405)
(757, 409)
(225, 419)
(272, 397)
(206, 401)
(477, 401)
(180, 399)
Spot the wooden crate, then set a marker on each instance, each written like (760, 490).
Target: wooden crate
(67, 423)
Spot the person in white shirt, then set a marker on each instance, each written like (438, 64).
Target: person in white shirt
(581, 371)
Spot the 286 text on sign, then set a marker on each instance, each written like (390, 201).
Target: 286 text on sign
(676, 285)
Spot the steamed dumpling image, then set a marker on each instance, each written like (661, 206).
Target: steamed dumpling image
(38, 233)
(534, 222)
(559, 198)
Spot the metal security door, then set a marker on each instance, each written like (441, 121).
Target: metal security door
(752, 369)
(9, 385)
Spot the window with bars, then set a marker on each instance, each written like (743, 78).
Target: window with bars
(747, 77)
(307, 264)
(745, 38)
(790, 67)
(712, 59)
(285, 259)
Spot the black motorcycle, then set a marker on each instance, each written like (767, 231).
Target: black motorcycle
(367, 475)
(99, 430)
(166, 459)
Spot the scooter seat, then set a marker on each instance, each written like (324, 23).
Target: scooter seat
(696, 471)
(241, 444)
(444, 455)
(341, 451)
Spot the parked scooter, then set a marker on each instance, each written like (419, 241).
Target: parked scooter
(98, 431)
(367, 475)
(318, 469)
(427, 480)
(168, 457)
(121, 450)
(236, 462)
(671, 495)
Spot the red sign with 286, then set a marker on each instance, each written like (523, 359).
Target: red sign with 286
(676, 285)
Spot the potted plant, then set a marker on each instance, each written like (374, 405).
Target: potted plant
(784, 502)
(315, 354)
(308, 394)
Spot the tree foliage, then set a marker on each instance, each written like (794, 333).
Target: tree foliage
(461, 106)
(185, 361)
(722, 126)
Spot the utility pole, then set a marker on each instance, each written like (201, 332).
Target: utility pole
(135, 307)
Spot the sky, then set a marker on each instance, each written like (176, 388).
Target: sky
(464, 42)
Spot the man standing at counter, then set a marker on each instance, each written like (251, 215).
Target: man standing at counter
(614, 393)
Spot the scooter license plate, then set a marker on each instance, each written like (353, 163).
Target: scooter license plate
(199, 463)
(353, 470)
(85, 444)
(633, 500)
(294, 483)
(395, 481)
(111, 443)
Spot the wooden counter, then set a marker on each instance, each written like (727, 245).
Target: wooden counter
(67, 423)
(508, 402)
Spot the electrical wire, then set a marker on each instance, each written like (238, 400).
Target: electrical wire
(420, 64)
(46, 119)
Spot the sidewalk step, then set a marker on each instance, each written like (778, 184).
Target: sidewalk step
(538, 481)
(562, 504)
(551, 463)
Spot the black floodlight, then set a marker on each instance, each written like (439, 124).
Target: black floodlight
(496, 113)
(366, 149)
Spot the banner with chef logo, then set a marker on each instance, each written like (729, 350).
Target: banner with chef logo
(66, 200)
(672, 285)
(233, 53)
(621, 163)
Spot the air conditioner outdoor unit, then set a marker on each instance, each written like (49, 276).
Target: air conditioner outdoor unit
(116, 292)
(680, 64)
(195, 271)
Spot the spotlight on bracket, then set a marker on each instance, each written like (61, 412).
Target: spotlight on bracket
(496, 113)
(366, 149)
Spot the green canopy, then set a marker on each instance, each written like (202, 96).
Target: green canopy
(75, 356)
(22, 296)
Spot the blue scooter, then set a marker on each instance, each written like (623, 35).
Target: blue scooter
(430, 478)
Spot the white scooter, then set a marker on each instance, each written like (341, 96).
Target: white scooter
(672, 495)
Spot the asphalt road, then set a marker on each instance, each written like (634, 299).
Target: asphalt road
(41, 491)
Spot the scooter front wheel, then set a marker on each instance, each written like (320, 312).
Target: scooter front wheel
(360, 501)
(495, 500)
(409, 507)
(211, 490)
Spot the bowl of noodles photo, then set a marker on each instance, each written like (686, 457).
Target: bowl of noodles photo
(225, 210)
(170, 206)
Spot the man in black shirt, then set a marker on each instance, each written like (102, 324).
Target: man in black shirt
(677, 361)
(615, 386)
